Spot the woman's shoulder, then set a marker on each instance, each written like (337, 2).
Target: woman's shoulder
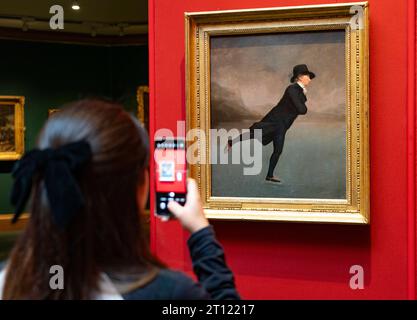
(167, 285)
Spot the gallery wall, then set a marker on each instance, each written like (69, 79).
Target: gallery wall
(51, 74)
(311, 261)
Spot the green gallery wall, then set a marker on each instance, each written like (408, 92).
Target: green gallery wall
(51, 74)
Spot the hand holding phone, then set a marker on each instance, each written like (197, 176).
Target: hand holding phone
(191, 215)
(171, 174)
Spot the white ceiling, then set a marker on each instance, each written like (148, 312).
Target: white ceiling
(104, 16)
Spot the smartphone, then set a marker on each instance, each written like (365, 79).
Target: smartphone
(171, 174)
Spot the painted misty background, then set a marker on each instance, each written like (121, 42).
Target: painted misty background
(249, 75)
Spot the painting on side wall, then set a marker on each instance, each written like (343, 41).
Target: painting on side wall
(11, 127)
(142, 97)
(280, 100)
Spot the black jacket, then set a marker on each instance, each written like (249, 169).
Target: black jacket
(215, 279)
(281, 117)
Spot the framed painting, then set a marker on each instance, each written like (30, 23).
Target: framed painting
(142, 97)
(11, 127)
(143, 105)
(277, 112)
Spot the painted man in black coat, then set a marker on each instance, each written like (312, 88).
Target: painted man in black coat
(276, 123)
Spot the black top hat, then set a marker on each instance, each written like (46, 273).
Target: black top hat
(301, 69)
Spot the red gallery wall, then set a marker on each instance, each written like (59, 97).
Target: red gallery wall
(311, 261)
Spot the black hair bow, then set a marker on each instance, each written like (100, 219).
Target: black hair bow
(57, 168)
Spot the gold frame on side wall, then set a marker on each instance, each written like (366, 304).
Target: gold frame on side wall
(140, 97)
(18, 102)
(201, 26)
(19, 129)
(7, 226)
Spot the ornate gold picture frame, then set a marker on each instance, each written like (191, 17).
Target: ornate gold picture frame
(11, 127)
(222, 44)
(142, 97)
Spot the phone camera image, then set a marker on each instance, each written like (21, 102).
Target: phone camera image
(167, 171)
(171, 173)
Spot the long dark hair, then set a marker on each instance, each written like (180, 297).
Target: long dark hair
(107, 232)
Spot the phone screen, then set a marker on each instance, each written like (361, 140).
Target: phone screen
(171, 173)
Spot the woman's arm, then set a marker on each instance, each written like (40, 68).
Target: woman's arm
(206, 252)
(210, 266)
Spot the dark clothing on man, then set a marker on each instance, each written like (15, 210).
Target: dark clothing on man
(275, 124)
(281, 117)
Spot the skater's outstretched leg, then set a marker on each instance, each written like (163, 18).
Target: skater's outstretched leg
(239, 138)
